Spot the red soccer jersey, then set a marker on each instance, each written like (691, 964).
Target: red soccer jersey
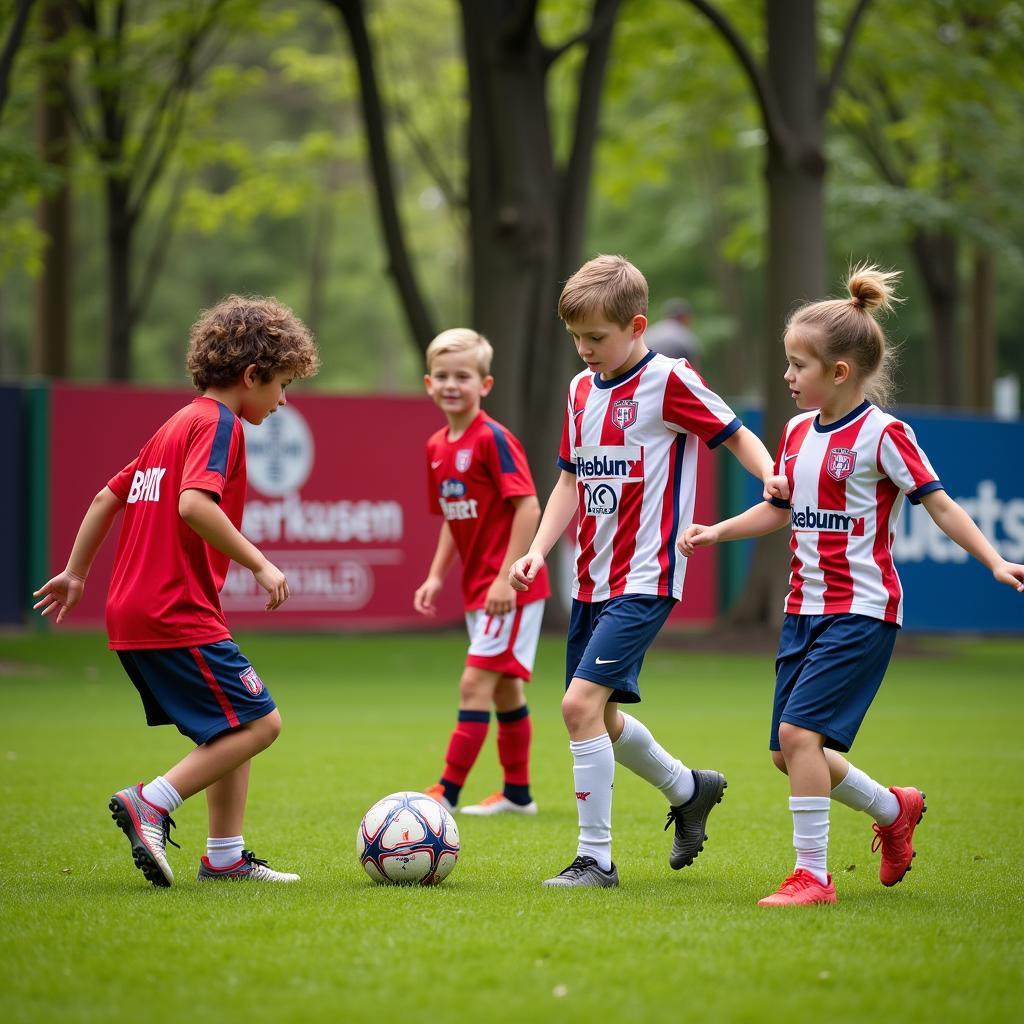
(165, 587)
(470, 481)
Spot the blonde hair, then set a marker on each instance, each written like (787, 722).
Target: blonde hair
(462, 339)
(610, 285)
(848, 329)
(245, 330)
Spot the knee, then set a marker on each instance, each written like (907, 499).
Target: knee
(473, 689)
(793, 739)
(575, 712)
(779, 760)
(267, 729)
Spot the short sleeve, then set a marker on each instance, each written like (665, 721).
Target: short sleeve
(901, 459)
(780, 470)
(507, 461)
(691, 406)
(121, 483)
(211, 450)
(565, 455)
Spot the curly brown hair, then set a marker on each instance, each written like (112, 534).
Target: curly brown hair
(246, 330)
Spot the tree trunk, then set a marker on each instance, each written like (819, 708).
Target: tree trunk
(53, 288)
(981, 357)
(795, 268)
(120, 231)
(936, 255)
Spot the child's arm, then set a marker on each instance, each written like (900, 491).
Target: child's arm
(558, 514)
(501, 596)
(755, 459)
(208, 519)
(755, 522)
(425, 598)
(65, 590)
(956, 524)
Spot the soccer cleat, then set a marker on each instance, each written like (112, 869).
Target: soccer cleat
(437, 792)
(148, 829)
(498, 803)
(896, 840)
(248, 868)
(583, 873)
(691, 818)
(801, 889)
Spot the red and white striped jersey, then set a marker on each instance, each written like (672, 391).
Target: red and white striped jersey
(631, 443)
(847, 482)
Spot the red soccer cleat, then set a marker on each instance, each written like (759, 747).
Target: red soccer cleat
(800, 889)
(896, 840)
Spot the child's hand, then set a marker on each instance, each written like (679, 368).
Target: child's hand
(501, 598)
(425, 598)
(524, 571)
(776, 486)
(59, 595)
(1009, 573)
(272, 580)
(697, 536)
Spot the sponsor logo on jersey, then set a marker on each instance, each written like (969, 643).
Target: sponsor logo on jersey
(840, 463)
(463, 457)
(146, 485)
(462, 509)
(623, 413)
(609, 462)
(825, 521)
(452, 488)
(251, 681)
(600, 499)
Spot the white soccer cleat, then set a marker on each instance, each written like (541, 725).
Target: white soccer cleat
(498, 803)
(247, 868)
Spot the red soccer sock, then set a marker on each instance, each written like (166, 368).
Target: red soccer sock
(515, 730)
(464, 746)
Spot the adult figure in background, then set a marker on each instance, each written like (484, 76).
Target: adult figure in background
(672, 335)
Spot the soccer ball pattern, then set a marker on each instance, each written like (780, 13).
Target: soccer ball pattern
(407, 837)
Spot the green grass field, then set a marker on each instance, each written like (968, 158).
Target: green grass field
(84, 938)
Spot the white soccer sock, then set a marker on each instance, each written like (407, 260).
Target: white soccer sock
(224, 852)
(810, 834)
(160, 793)
(593, 771)
(862, 793)
(637, 750)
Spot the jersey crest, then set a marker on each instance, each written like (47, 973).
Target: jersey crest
(463, 457)
(251, 681)
(840, 463)
(623, 413)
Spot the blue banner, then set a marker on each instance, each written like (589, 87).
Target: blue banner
(12, 513)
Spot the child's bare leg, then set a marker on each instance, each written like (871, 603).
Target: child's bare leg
(810, 785)
(225, 802)
(509, 694)
(223, 754)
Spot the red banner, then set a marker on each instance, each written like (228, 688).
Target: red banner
(337, 499)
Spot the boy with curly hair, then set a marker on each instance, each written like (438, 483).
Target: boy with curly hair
(183, 497)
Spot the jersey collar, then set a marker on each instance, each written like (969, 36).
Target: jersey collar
(614, 382)
(848, 418)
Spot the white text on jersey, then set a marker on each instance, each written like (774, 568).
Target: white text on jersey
(146, 485)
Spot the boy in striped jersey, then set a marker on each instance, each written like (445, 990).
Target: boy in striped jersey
(629, 460)
(848, 465)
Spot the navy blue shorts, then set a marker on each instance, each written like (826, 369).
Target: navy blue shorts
(608, 640)
(827, 672)
(203, 690)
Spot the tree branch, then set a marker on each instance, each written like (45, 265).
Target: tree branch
(774, 123)
(418, 318)
(600, 24)
(143, 291)
(14, 38)
(429, 159)
(828, 90)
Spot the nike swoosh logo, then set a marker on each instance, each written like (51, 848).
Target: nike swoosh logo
(606, 661)
(793, 456)
(434, 465)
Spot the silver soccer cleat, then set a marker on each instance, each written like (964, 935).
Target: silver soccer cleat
(584, 873)
(148, 830)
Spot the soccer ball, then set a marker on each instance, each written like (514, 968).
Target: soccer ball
(407, 837)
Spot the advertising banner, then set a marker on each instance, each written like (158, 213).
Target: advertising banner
(337, 499)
